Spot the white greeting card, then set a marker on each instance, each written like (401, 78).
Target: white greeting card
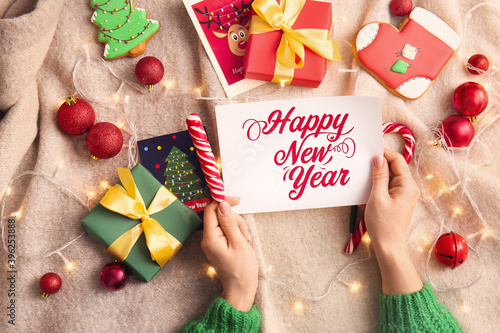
(298, 154)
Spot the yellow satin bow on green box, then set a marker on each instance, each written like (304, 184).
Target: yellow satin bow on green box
(272, 16)
(127, 200)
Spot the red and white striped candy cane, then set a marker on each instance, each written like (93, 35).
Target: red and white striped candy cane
(206, 157)
(407, 135)
(407, 154)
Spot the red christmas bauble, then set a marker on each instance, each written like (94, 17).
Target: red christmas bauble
(104, 140)
(479, 61)
(149, 71)
(457, 131)
(470, 99)
(451, 250)
(75, 116)
(401, 7)
(114, 276)
(50, 283)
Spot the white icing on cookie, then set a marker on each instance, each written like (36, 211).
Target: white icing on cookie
(414, 87)
(436, 26)
(409, 52)
(366, 35)
(106, 50)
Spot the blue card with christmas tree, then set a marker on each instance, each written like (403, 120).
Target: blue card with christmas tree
(173, 162)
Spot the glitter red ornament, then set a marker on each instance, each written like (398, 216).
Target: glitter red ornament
(149, 71)
(470, 99)
(104, 140)
(114, 276)
(456, 131)
(401, 7)
(478, 61)
(451, 250)
(50, 283)
(75, 116)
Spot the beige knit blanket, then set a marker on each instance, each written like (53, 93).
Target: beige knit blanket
(40, 43)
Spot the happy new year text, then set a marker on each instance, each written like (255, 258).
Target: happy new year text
(305, 159)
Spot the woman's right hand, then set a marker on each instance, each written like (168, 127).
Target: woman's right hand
(387, 216)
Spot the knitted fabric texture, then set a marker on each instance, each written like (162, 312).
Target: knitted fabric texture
(416, 312)
(221, 317)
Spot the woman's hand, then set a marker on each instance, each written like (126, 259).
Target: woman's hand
(388, 213)
(226, 243)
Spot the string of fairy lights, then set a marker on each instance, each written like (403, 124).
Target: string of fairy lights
(176, 173)
(431, 193)
(227, 12)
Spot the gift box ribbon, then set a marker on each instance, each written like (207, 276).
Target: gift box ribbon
(127, 200)
(272, 16)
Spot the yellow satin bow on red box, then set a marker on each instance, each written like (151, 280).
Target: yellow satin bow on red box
(272, 16)
(127, 200)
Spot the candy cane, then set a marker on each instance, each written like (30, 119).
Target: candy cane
(407, 135)
(206, 157)
(407, 154)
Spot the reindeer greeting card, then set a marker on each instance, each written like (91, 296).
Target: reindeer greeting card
(298, 154)
(222, 26)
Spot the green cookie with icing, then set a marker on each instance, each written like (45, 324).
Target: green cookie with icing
(122, 27)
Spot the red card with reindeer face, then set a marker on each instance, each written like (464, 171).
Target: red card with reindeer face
(222, 26)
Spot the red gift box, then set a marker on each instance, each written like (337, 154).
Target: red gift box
(260, 57)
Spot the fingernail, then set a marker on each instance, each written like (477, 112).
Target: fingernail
(378, 161)
(248, 236)
(224, 208)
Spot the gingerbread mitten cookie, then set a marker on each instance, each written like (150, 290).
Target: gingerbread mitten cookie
(408, 60)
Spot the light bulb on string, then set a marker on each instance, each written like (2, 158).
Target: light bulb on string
(465, 308)
(68, 264)
(426, 240)
(105, 184)
(169, 84)
(211, 273)
(354, 287)
(17, 214)
(419, 248)
(366, 239)
(218, 164)
(339, 19)
(60, 164)
(457, 210)
(485, 233)
(454, 186)
(298, 307)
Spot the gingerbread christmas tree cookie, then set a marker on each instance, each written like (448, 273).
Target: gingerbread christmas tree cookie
(122, 27)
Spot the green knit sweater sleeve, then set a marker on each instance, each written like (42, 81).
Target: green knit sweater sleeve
(221, 317)
(416, 312)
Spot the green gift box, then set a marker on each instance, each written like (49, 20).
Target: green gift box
(106, 226)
